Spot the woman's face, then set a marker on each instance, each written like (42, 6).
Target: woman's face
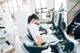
(34, 21)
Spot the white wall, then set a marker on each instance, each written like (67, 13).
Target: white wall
(50, 4)
(29, 6)
(21, 23)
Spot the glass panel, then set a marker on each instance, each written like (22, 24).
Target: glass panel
(20, 5)
(6, 7)
(15, 5)
(10, 6)
(43, 3)
(37, 4)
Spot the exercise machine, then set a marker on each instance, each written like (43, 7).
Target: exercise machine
(5, 45)
(33, 48)
(74, 28)
(70, 47)
(70, 44)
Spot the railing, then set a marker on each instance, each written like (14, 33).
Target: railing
(74, 6)
(71, 11)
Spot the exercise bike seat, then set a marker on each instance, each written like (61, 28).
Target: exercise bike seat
(34, 49)
(31, 48)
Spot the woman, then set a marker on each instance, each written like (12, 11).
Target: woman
(39, 39)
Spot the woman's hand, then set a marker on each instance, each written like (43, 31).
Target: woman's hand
(39, 44)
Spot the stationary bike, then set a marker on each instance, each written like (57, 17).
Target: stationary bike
(69, 45)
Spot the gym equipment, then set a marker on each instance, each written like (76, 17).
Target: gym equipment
(2, 32)
(44, 31)
(8, 22)
(54, 22)
(70, 46)
(5, 46)
(52, 13)
(73, 27)
(33, 48)
(49, 12)
(41, 29)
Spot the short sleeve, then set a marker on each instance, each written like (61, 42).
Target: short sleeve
(34, 31)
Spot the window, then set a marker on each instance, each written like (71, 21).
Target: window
(20, 5)
(3, 5)
(37, 4)
(41, 7)
(10, 6)
(59, 3)
(43, 3)
(15, 6)
(6, 7)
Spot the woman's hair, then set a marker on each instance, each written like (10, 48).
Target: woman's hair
(33, 16)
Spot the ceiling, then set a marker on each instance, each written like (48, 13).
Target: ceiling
(3, 1)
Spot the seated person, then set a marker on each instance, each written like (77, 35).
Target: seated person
(33, 28)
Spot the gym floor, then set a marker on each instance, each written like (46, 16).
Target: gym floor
(17, 42)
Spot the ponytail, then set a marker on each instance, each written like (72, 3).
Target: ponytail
(29, 19)
(33, 16)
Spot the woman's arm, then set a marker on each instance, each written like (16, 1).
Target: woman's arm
(39, 40)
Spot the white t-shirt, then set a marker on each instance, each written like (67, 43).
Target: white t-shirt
(34, 30)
